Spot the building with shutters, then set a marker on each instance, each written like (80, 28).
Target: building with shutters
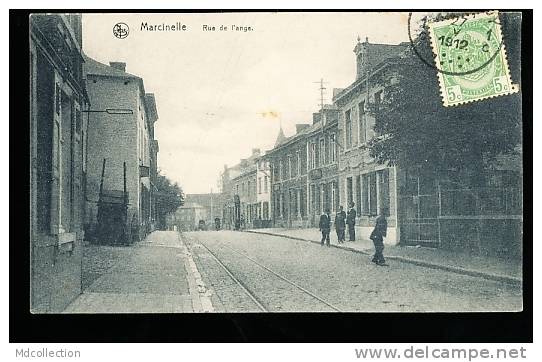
(58, 132)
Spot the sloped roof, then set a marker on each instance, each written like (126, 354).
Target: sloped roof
(150, 100)
(280, 137)
(93, 67)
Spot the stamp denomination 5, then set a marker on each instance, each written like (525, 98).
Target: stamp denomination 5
(471, 58)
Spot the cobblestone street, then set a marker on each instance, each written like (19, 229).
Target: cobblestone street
(228, 271)
(346, 280)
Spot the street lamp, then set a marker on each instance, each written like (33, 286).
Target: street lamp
(110, 111)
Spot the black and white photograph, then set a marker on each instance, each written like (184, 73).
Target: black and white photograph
(276, 162)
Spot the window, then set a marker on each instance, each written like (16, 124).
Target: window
(259, 185)
(237, 189)
(348, 130)
(302, 201)
(332, 148)
(369, 194)
(358, 194)
(265, 210)
(349, 191)
(289, 167)
(322, 198)
(299, 162)
(293, 202)
(265, 181)
(384, 191)
(278, 206)
(281, 170)
(333, 196)
(283, 204)
(362, 123)
(322, 160)
(312, 155)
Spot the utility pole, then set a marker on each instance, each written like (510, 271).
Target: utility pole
(322, 88)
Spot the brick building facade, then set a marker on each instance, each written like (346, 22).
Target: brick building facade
(57, 159)
(121, 137)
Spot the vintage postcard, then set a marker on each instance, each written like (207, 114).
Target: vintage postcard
(255, 162)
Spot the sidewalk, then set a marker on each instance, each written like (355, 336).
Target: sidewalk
(487, 267)
(156, 275)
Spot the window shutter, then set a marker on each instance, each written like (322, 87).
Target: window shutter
(77, 165)
(55, 159)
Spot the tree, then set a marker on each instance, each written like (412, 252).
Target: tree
(419, 132)
(169, 197)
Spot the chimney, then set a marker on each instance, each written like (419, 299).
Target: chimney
(256, 152)
(337, 91)
(300, 127)
(316, 117)
(361, 57)
(118, 65)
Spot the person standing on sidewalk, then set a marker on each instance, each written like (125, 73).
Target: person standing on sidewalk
(351, 221)
(325, 227)
(340, 225)
(377, 236)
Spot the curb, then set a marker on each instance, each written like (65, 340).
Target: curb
(422, 263)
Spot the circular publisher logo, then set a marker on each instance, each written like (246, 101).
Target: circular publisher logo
(121, 30)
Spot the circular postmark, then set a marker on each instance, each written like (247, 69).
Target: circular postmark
(121, 30)
(464, 47)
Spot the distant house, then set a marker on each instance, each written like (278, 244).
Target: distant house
(187, 217)
(242, 203)
(121, 132)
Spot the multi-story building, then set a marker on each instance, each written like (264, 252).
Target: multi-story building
(239, 185)
(263, 197)
(153, 171)
(228, 205)
(477, 210)
(289, 179)
(121, 143)
(371, 186)
(323, 142)
(245, 188)
(304, 171)
(58, 134)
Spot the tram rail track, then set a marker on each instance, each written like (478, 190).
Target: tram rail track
(248, 291)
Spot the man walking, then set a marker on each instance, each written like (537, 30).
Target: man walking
(377, 236)
(340, 224)
(351, 221)
(325, 227)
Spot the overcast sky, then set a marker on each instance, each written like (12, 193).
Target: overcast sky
(211, 87)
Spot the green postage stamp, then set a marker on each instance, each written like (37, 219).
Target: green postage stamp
(470, 58)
